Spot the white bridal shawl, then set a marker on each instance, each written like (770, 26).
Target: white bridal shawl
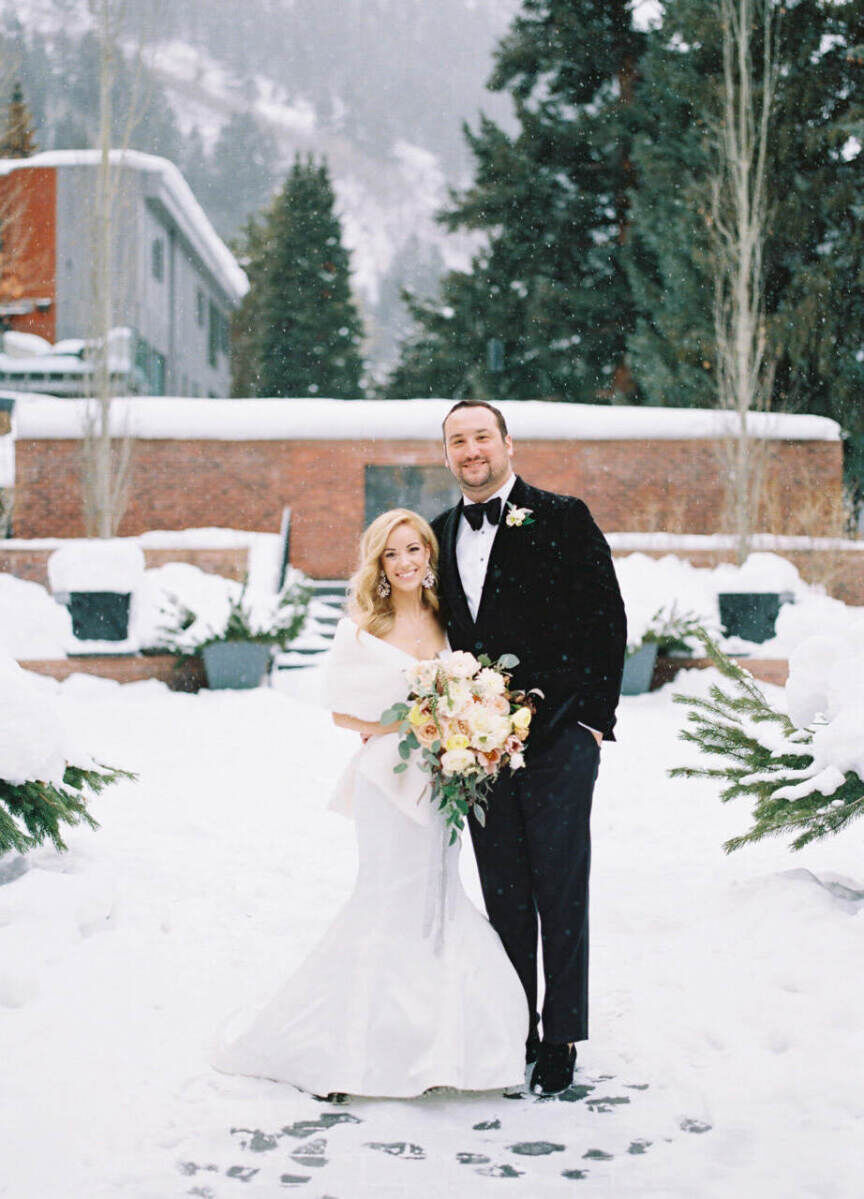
(363, 677)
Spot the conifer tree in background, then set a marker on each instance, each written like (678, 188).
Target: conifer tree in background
(814, 249)
(302, 325)
(18, 139)
(553, 200)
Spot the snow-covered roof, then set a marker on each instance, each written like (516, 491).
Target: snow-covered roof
(418, 420)
(175, 194)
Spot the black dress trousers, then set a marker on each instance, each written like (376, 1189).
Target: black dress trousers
(534, 859)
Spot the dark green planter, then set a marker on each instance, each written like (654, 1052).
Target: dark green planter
(100, 615)
(639, 670)
(235, 665)
(751, 615)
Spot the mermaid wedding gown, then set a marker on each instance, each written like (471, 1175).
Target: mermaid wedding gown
(410, 988)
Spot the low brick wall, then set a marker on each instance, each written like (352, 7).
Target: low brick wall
(231, 562)
(767, 670)
(133, 668)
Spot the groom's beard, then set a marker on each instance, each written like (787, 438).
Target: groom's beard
(479, 479)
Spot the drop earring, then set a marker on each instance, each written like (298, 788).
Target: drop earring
(383, 586)
(428, 579)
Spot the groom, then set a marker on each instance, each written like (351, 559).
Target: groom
(529, 573)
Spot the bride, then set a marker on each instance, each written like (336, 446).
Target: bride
(410, 988)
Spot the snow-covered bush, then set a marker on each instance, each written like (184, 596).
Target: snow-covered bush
(44, 777)
(229, 611)
(805, 770)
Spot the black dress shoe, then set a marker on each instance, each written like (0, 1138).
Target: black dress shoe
(554, 1070)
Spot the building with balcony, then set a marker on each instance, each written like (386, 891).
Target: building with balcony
(174, 281)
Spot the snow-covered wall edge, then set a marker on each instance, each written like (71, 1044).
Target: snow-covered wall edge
(40, 418)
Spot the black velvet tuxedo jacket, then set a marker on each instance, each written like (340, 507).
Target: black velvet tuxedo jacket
(551, 598)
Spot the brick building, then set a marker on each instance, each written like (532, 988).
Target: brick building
(337, 463)
(175, 282)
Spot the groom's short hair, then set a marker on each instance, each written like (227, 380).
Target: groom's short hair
(498, 414)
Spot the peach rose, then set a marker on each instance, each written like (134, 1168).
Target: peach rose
(427, 734)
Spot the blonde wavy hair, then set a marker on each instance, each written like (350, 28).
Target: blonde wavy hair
(372, 612)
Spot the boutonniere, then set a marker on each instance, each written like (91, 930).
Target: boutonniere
(517, 517)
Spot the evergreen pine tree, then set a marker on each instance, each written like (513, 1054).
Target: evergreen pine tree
(33, 812)
(18, 139)
(306, 331)
(814, 253)
(764, 768)
(553, 201)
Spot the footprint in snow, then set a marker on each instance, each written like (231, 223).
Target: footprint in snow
(398, 1149)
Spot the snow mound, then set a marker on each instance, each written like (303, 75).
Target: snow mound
(32, 624)
(115, 564)
(34, 741)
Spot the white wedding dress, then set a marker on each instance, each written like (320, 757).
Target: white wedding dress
(410, 988)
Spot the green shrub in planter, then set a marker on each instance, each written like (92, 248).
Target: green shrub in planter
(236, 642)
(668, 632)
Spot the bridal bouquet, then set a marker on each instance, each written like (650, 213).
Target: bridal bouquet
(467, 724)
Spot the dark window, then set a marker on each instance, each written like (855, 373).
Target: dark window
(213, 335)
(157, 374)
(157, 259)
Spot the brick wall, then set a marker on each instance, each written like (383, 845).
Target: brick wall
(28, 204)
(245, 484)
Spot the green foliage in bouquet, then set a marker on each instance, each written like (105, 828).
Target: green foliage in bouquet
(457, 794)
(32, 812)
(722, 726)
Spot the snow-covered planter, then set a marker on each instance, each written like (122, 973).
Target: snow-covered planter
(97, 580)
(44, 777)
(237, 629)
(805, 770)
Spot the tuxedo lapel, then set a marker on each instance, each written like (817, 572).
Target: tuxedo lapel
(454, 593)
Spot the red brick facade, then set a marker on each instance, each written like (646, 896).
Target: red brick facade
(628, 484)
(28, 212)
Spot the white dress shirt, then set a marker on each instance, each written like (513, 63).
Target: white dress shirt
(473, 550)
(474, 546)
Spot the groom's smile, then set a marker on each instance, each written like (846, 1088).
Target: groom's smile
(476, 451)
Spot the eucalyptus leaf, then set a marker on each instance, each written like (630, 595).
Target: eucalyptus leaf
(507, 661)
(402, 766)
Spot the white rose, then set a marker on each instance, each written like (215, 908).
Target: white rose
(421, 676)
(462, 665)
(458, 701)
(488, 730)
(517, 761)
(489, 682)
(457, 761)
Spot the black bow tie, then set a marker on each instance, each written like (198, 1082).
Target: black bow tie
(474, 513)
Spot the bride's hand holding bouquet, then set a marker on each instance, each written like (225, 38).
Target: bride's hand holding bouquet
(467, 724)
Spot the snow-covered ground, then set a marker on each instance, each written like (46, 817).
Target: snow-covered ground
(726, 1045)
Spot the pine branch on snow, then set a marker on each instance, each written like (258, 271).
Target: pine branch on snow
(727, 726)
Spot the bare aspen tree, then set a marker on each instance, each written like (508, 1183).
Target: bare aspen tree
(106, 458)
(739, 214)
